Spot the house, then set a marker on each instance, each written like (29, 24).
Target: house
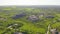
(49, 16)
(58, 20)
(41, 15)
(19, 16)
(59, 32)
(54, 31)
(3, 19)
(18, 33)
(33, 18)
(14, 25)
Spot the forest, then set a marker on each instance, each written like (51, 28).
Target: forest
(29, 20)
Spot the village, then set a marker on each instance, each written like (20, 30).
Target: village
(29, 21)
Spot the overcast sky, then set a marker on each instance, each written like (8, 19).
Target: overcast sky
(29, 2)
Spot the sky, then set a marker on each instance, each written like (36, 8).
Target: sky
(29, 2)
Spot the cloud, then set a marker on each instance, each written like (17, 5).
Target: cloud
(29, 2)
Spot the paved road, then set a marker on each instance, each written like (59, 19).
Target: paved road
(48, 29)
